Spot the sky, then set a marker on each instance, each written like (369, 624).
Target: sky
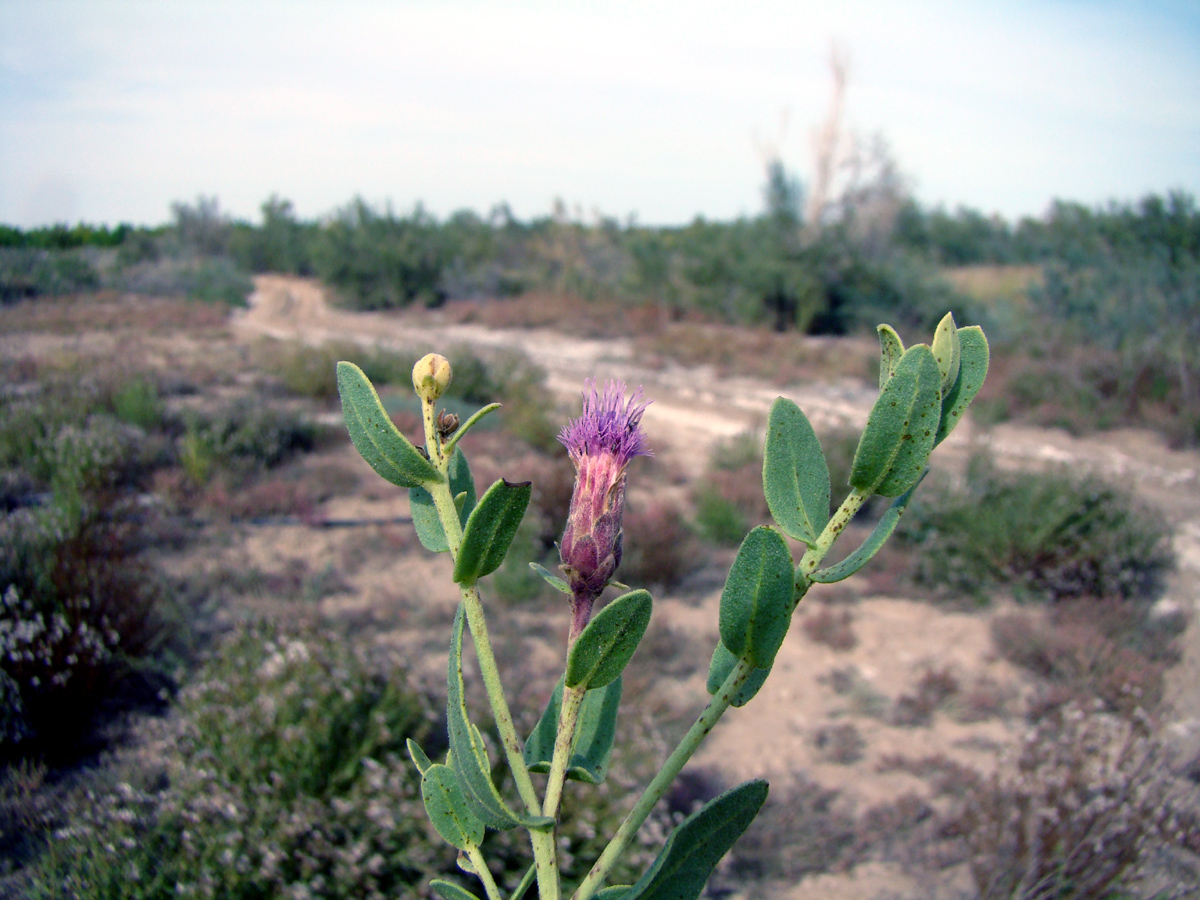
(655, 111)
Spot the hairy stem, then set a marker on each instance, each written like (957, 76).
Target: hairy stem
(836, 525)
(544, 852)
(485, 875)
(564, 742)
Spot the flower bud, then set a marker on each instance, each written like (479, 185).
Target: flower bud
(431, 376)
(601, 443)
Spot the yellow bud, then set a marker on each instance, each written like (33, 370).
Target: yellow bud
(431, 376)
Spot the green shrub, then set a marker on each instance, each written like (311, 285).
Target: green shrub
(244, 435)
(208, 279)
(718, 518)
(1045, 535)
(311, 371)
(138, 403)
(29, 273)
(283, 774)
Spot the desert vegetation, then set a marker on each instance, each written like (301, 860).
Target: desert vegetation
(217, 632)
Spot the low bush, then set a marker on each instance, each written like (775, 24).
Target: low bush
(1080, 663)
(214, 279)
(729, 496)
(833, 629)
(26, 273)
(283, 774)
(1088, 803)
(659, 548)
(244, 435)
(1045, 535)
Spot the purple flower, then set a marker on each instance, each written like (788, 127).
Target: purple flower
(601, 443)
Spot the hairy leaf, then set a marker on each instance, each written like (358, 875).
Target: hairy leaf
(490, 530)
(795, 474)
(694, 848)
(375, 436)
(756, 604)
(608, 641)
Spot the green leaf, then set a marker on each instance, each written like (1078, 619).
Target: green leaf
(425, 515)
(882, 531)
(448, 810)
(612, 892)
(896, 443)
(468, 755)
(756, 604)
(891, 350)
(607, 642)
(420, 760)
(972, 370)
(596, 728)
(916, 443)
(697, 845)
(795, 474)
(719, 668)
(550, 578)
(946, 349)
(378, 440)
(490, 530)
(448, 890)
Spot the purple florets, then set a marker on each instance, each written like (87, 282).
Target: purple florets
(608, 423)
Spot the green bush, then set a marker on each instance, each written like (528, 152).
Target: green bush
(244, 435)
(29, 273)
(1044, 535)
(209, 279)
(283, 774)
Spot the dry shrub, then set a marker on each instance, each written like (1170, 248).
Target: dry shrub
(834, 629)
(933, 689)
(842, 744)
(658, 547)
(1079, 661)
(1087, 803)
(802, 829)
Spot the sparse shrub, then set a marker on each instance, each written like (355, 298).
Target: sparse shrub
(718, 519)
(842, 744)
(244, 435)
(26, 273)
(1045, 535)
(311, 371)
(934, 688)
(833, 629)
(207, 279)
(282, 774)
(1079, 662)
(1087, 802)
(80, 615)
(658, 546)
(137, 402)
(729, 498)
(803, 829)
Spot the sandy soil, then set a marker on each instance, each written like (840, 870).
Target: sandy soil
(898, 639)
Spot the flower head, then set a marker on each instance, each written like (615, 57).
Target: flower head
(601, 443)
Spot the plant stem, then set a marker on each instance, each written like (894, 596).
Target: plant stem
(836, 525)
(544, 852)
(564, 742)
(658, 786)
(484, 874)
